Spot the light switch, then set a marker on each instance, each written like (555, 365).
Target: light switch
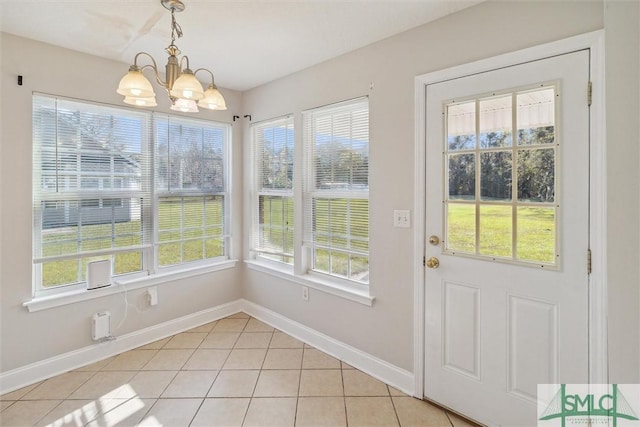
(402, 218)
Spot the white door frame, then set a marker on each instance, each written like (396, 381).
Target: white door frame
(598, 360)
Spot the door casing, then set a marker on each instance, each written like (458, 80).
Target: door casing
(594, 41)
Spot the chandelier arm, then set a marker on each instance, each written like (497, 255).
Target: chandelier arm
(153, 66)
(208, 71)
(184, 58)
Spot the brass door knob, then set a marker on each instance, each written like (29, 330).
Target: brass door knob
(433, 262)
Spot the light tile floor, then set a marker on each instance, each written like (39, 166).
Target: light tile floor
(236, 371)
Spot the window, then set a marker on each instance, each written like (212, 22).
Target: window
(500, 199)
(336, 189)
(191, 190)
(95, 198)
(273, 223)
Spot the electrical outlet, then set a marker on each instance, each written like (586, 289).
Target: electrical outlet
(402, 218)
(305, 293)
(152, 296)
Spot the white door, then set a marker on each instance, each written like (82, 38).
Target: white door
(507, 201)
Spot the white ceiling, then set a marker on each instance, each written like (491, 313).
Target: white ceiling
(244, 42)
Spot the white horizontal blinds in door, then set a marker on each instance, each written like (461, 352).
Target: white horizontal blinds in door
(191, 189)
(273, 144)
(336, 189)
(91, 195)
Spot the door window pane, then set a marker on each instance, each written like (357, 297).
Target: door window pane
(461, 126)
(536, 175)
(536, 234)
(461, 230)
(496, 122)
(495, 231)
(495, 175)
(462, 176)
(536, 117)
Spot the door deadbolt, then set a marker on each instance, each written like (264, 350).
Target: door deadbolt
(434, 240)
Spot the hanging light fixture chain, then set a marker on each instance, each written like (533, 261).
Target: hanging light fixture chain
(175, 27)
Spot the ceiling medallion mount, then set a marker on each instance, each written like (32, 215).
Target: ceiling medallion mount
(184, 90)
(176, 5)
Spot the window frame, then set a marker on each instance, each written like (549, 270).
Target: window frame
(185, 193)
(514, 202)
(150, 271)
(257, 251)
(311, 192)
(301, 272)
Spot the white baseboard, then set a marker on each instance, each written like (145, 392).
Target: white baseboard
(32, 373)
(396, 377)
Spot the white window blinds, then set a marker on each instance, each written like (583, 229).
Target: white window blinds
(336, 189)
(191, 189)
(91, 189)
(273, 225)
(99, 192)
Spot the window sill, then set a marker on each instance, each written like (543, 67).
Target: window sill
(313, 282)
(57, 300)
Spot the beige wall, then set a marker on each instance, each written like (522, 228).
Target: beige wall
(384, 330)
(30, 337)
(622, 50)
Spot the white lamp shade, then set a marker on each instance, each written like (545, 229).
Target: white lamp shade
(187, 87)
(213, 99)
(135, 84)
(141, 102)
(184, 105)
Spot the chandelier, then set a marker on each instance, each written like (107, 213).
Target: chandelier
(184, 90)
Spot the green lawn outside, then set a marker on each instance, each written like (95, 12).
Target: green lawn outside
(332, 229)
(195, 232)
(535, 231)
(276, 226)
(342, 224)
(185, 234)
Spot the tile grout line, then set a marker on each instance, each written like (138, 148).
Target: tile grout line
(295, 414)
(212, 383)
(393, 404)
(344, 395)
(61, 401)
(449, 418)
(93, 374)
(246, 411)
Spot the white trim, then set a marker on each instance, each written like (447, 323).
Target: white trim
(419, 237)
(598, 286)
(377, 368)
(38, 371)
(44, 369)
(75, 296)
(347, 292)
